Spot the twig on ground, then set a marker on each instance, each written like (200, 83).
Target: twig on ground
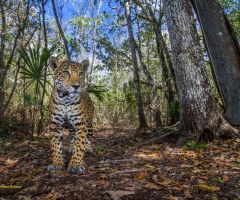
(116, 161)
(127, 171)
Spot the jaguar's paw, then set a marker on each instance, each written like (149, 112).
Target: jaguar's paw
(52, 168)
(76, 169)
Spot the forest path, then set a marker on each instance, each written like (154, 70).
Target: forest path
(117, 171)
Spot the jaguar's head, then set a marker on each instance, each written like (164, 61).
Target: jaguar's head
(69, 76)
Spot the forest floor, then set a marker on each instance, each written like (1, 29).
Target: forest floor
(117, 170)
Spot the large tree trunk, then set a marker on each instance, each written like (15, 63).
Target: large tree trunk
(224, 55)
(198, 114)
(141, 115)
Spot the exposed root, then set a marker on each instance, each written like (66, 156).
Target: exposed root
(174, 127)
(171, 135)
(143, 132)
(218, 128)
(227, 131)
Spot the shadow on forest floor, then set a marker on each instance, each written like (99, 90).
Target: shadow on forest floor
(117, 171)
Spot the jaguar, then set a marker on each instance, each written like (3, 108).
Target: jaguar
(70, 104)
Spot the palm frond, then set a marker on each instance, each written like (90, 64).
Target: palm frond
(33, 71)
(97, 90)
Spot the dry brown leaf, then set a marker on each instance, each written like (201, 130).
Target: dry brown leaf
(10, 161)
(187, 194)
(116, 195)
(176, 188)
(195, 171)
(133, 188)
(53, 195)
(225, 177)
(173, 198)
(140, 176)
(153, 186)
(162, 180)
(100, 183)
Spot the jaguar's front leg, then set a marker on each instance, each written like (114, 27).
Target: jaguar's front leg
(73, 138)
(89, 142)
(56, 133)
(76, 164)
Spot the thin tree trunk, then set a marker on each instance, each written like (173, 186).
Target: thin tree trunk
(16, 76)
(161, 49)
(157, 112)
(40, 125)
(89, 78)
(61, 31)
(5, 65)
(224, 54)
(2, 55)
(141, 115)
(198, 115)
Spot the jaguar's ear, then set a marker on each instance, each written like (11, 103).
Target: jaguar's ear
(53, 63)
(85, 65)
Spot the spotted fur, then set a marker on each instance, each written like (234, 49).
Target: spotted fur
(71, 105)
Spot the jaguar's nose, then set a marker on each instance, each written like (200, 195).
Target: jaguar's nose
(75, 86)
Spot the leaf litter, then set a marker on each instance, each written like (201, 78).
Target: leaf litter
(209, 171)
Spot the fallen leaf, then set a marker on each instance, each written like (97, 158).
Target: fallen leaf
(140, 176)
(196, 171)
(176, 188)
(133, 188)
(187, 194)
(116, 195)
(173, 198)
(52, 196)
(10, 161)
(153, 186)
(206, 188)
(100, 183)
(162, 180)
(225, 177)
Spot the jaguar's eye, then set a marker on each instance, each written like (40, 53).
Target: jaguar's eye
(66, 73)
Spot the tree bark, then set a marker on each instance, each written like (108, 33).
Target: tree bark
(198, 115)
(61, 31)
(141, 115)
(224, 54)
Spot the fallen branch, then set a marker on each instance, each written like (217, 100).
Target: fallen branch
(170, 128)
(127, 171)
(159, 139)
(116, 161)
